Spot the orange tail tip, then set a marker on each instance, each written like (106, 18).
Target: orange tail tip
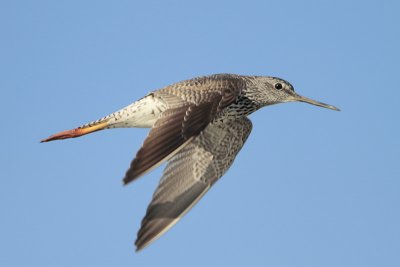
(76, 132)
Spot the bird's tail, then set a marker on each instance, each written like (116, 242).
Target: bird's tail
(142, 114)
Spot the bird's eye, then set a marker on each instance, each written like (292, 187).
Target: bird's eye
(278, 86)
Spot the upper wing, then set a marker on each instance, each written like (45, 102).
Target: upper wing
(171, 132)
(190, 173)
(191, 106)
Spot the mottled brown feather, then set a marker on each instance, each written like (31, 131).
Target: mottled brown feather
(186, 119)
(170, 132)
(164, 138)
(190, 173)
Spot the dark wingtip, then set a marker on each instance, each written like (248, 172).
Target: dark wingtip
(138, 249)
(133, 173)
(127, 179)
(124, 182)
(139, 245)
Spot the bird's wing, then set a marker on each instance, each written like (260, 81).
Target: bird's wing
(189, 112)
(190, 173)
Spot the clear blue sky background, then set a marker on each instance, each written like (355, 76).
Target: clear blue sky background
(312, 187)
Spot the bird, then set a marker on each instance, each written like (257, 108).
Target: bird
(198, 126)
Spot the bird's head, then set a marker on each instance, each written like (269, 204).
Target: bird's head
(266, 90)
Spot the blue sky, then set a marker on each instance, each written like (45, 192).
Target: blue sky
(312, 187)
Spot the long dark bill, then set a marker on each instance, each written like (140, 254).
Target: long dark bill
(314, 102)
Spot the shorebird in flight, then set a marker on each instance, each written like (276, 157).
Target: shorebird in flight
(198, 126)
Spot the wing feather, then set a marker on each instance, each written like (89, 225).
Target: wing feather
(168, 135)
(191, 106)
(189, 174)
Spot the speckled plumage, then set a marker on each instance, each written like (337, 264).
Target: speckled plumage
(190, 173)
(198, 126)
